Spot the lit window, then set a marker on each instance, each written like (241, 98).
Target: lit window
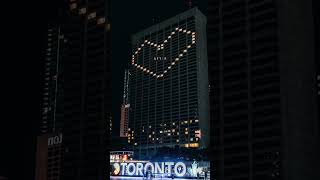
(82, 11)
(173, 130)
(92, 15)
(186, 122)
(186, 129)
(135, 144)
(186, 132)
(173, 123)
(73, 6)
(160, 132)
(196, 120)
(177, 140)
(153, 132)
(191, 139)
(101, 20)
(149, 136)
(177, 133)
(169, 134)
(149, 126)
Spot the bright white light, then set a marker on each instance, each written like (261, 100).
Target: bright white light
(180, 30)
(169, 37)
(185, 50)
(189, 46)
(184, 31)
(169, 67)
(165, 71)
(177, 29)
(180, 55)
(165, 41)
(188, 32)
(172, 63)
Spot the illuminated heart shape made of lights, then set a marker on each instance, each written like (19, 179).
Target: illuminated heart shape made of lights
(160, 47)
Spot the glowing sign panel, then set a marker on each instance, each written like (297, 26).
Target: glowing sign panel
(160, 47)
(179, 169)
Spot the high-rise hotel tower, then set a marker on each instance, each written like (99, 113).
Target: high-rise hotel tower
(168, 87)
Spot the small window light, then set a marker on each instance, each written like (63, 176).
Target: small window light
(196, 120)
(82, 11)
(73, 6)
(92, 15)
(177, 140)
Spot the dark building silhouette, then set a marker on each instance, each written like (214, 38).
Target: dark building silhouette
(264, 112)
(80, 42)
(86, 90)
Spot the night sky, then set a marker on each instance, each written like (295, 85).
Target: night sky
(127, 18)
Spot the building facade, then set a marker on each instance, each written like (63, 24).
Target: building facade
(52, 106)
(169, 85)
(262, 90)
(79, 47)
(124, 121)
(49, 157)
(87, 90)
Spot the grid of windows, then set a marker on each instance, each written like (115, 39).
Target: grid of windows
(164, 110)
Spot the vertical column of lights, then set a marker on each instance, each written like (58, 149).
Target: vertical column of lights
(187, 57)
(160, 47)
(46, 87)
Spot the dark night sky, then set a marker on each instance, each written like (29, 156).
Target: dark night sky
(127, 18)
